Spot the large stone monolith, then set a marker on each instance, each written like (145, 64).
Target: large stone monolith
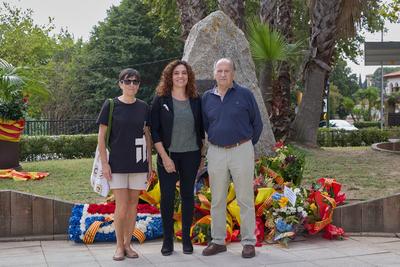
(214, 37)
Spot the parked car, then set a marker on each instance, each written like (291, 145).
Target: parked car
(339, 124)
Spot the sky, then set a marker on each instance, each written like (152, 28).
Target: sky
(79, 17)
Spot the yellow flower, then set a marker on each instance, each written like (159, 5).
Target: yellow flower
(201, 237)
(283, 201)
(314, 208)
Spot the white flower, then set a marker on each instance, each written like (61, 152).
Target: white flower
(274, 213)
(296, 191)
(300, 209)
(304, 213)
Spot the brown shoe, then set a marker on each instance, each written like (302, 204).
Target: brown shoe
(213, 249)
(248, 251)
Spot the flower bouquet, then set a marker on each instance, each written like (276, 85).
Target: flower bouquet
(323, 198)
(285, 216)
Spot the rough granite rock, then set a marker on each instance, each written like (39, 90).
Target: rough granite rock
(214, 37)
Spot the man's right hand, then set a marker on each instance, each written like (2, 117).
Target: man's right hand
(106, 169)
(169, 164)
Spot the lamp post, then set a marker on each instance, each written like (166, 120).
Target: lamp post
(382, 93)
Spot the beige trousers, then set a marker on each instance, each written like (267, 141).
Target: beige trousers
(223, 163)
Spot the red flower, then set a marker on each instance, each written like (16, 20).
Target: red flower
(279, 144)
(333, 232)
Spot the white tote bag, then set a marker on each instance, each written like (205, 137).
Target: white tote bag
(97, 180)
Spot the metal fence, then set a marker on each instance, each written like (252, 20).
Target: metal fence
(60, 127)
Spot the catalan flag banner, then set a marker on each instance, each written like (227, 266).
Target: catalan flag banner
(11, 131)
(22, 176)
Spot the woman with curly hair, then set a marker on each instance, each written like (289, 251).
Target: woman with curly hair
(178, 136)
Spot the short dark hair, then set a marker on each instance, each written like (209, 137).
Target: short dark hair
(128, 73)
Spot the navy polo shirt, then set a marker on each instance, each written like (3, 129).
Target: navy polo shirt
(232, 119)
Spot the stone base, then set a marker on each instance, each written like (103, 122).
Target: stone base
(9, 155)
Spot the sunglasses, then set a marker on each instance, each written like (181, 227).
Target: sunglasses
(128, 82)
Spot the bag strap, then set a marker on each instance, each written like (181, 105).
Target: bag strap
(111, 101)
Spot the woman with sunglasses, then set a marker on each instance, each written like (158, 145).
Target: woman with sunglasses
(178, 136)
(129, 164)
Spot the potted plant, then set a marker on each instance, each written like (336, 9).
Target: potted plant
(13, 108)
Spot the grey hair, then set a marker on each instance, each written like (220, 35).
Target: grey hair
(225, 59)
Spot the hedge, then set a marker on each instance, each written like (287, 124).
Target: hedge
(83, 146)
(57, 147)
(362, 137)
(367, 124)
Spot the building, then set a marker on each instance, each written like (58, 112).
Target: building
(392, 82)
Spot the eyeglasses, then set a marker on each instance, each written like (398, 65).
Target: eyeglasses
(128, 82)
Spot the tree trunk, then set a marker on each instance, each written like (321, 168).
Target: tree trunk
(269, 12)
(265, 80)
(191, 12)
(324, 17)
(282, 119)
(235, 10)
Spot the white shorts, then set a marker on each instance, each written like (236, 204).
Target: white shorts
(137, 181)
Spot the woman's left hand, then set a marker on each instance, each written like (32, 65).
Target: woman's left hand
(149, 175)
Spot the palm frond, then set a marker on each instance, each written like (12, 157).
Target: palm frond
(266, 45)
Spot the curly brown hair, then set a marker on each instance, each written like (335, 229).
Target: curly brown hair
(164, 87)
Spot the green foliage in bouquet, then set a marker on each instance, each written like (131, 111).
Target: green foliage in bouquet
(288, 163)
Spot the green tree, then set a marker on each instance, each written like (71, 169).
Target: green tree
(349, 105)
(24, 43)
(342, 77)
(128, 37)
(369, 97)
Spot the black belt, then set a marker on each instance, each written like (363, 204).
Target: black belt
(235, 144)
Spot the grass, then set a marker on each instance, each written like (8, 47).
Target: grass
(364, 173)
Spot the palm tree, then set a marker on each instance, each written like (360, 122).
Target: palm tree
(235, 10)
(269, 49)
(13, 87)
(10, 81)
(191, 12)
(12, 106)
(371, 95)
(330, 20)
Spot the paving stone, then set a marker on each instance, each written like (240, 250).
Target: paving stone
(10, 245)
(320, 253)
(347, 261)
(194, 263)
(20, 252)
(297, 264)
(384, 259)
(20, 260)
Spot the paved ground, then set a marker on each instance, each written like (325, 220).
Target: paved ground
(355, 251)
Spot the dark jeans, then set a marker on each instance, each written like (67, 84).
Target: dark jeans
(186, 165)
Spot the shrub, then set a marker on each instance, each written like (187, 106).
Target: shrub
(362, 137)
(367, 124)
(57, 147)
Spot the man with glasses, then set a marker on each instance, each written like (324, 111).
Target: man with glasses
(233, 123)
